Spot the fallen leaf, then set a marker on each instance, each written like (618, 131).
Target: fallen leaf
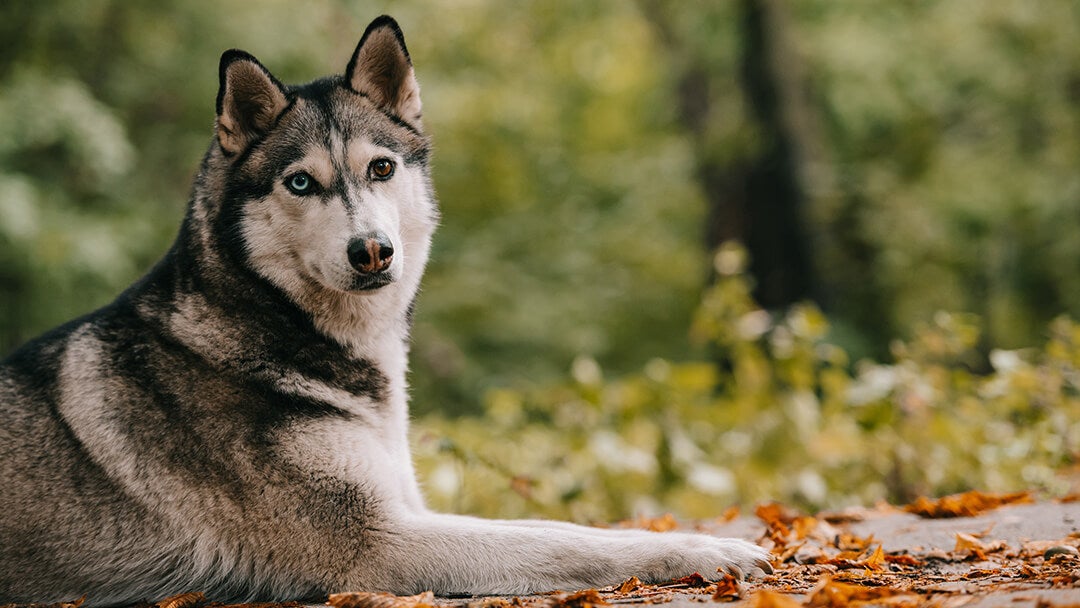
(803, 526)
(968, 544)
(663, 523)
(182, 600)
(904, 560)
(772, 599)
(727, 589)
(693, 581)
(834, 594)
(846, 541)
(582, 599)
(729, 514)
(968, 504)
(774, 512)
(630, 584)
(876, 561)
(363, 599)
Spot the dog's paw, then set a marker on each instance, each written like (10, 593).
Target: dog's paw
(712, 557)
(743, 559)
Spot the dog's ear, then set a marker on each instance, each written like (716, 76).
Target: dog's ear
(380, 68)
(249, 101)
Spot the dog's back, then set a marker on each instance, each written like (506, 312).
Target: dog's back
(59, 511)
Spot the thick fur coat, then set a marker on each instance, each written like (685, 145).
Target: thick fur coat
(236, 421)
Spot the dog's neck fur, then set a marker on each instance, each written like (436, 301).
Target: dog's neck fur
(250, 312)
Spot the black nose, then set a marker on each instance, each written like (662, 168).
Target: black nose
(370, 253)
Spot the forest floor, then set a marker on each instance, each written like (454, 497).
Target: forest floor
(974, 550)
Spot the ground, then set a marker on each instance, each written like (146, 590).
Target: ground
(975, 550)
(963, 550)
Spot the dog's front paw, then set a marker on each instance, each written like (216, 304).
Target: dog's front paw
(712, 557)
(741, 559)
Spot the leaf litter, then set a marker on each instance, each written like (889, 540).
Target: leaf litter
(818, 563)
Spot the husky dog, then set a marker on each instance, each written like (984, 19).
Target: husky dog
(235, 422)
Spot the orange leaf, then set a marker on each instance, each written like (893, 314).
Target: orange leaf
(967, 504)
(582, 599)
(182, 600)
(833, 594)
(630, 584)
(774, 512)
(693, 581)
(966, 543)
(846, 541)
(904, 560)
(363, 599)
(772, 599)
(664, 523)
(876, 561)
(803, 526)
(727, 589)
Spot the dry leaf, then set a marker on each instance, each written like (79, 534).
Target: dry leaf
(772, 599)
(582, 599)
(727, 589)
(629, 585)
(256, 605)
(693, 581)
(968, 544)
(834, 594)
(664, 523)
(846, 541)
(876, 561)
(729, 514)
(774, 512)
(904, 560)
(363, 599)
(182, 600)
(968, 504)
(803, 526)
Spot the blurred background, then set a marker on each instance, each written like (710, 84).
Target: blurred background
(693, 254)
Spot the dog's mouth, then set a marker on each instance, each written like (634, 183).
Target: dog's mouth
(371, 282)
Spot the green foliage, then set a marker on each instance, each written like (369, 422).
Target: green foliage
(572, 231)
(777, 414)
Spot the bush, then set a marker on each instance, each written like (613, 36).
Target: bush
(778, 413)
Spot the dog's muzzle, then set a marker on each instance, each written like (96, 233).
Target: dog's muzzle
(370, 255)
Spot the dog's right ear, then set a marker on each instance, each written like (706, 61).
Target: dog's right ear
(249, 101)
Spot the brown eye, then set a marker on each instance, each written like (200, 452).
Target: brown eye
(381, 169)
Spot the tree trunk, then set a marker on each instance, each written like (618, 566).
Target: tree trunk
(759, 197)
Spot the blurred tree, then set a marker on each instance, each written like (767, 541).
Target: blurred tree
(754, 195)
(926, 151)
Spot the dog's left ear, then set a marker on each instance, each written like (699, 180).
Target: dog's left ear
(380, 69)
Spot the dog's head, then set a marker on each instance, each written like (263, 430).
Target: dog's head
(323, 189)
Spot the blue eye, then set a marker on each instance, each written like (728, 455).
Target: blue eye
(300, 183)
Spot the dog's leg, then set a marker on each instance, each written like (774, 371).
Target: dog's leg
(452, 554)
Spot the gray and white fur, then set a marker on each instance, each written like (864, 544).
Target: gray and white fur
(236, 421)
